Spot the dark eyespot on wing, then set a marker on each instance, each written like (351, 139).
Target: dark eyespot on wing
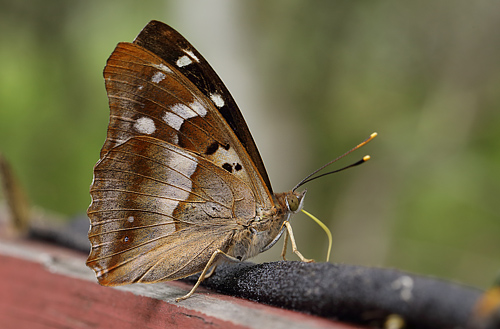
(228, 167)
(212, 148)
(238, 167)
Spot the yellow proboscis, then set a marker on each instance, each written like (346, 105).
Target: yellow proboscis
(325, 228)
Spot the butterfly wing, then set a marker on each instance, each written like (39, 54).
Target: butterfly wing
(158, 212)
(172, 47)
(148, 96)
(173, 176)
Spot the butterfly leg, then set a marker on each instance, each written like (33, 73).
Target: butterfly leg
(203, 274)
(212, 271)
(285, 243)
(294, 246)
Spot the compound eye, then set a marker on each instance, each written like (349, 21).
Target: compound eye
(293, 203)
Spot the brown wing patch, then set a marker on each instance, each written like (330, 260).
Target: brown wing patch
(149, 195)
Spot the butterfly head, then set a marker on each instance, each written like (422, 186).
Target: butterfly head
(294, 200)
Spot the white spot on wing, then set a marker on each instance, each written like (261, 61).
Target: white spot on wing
(198, 108)
(140, 87)
(183, 165)
(145, 125)
(173, 120)
(217, 99)
(163, 68)
(130, 219)
(192, 55)
(183, 111)
(180, 112)
(183, 61)
(158, 76)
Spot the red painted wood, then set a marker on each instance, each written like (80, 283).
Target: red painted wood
(31, 296)
(35, 298)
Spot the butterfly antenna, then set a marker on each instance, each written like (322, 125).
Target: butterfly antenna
(310, 177)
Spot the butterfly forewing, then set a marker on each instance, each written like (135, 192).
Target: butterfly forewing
(148, 96)
(172, 47)
(141, 104)
(172, 169)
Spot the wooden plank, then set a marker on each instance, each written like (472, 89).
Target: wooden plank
(44, 286)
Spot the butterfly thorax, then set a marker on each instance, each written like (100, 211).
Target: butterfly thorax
(263, 231)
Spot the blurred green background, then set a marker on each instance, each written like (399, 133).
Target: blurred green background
(313, 79)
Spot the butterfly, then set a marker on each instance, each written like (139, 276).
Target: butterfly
(180, 185)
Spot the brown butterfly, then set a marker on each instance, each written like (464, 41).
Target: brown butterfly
(180, 184)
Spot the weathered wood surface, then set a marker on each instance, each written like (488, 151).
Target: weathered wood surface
(44, 286)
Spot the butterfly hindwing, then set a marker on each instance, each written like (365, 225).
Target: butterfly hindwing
(148, 197)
